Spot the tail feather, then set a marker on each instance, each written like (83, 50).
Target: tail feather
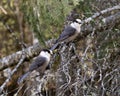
(21, 79)
(57, 41)
(54, 46)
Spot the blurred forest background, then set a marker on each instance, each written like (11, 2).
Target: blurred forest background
(92, 70)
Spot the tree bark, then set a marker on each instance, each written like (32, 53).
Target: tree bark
(14, 58)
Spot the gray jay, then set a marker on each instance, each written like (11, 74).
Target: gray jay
(69, 33)
(41, 62)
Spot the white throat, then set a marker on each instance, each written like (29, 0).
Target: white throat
(45, 54)
(77, 26)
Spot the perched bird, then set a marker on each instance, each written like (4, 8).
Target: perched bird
(41, 62)
(69, 33)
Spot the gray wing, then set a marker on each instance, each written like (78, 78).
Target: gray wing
(68, 31)
(38, 62)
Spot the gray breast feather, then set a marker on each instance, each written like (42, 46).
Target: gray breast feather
(38, 62)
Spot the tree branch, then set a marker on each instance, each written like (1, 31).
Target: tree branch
(34, 50)
(13, 71)
(102, 12)
(106, 23)
(13, 59)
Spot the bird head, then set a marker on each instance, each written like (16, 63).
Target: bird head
(78, 21)
(46, 53)
(77, 24)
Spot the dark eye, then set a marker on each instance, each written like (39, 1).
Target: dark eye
(77, 21)
(48, 51)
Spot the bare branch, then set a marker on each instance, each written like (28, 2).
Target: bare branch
(102, 12)
(3, 10)
(13, 59)
(86, 29)
(107, 22)
(13, 71)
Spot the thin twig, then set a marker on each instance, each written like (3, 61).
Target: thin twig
(3, 10)
(101, 12)
(13, 71)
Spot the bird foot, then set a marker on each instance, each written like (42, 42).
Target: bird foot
(72, 47)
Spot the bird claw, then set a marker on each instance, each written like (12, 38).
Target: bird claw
(72, 46)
